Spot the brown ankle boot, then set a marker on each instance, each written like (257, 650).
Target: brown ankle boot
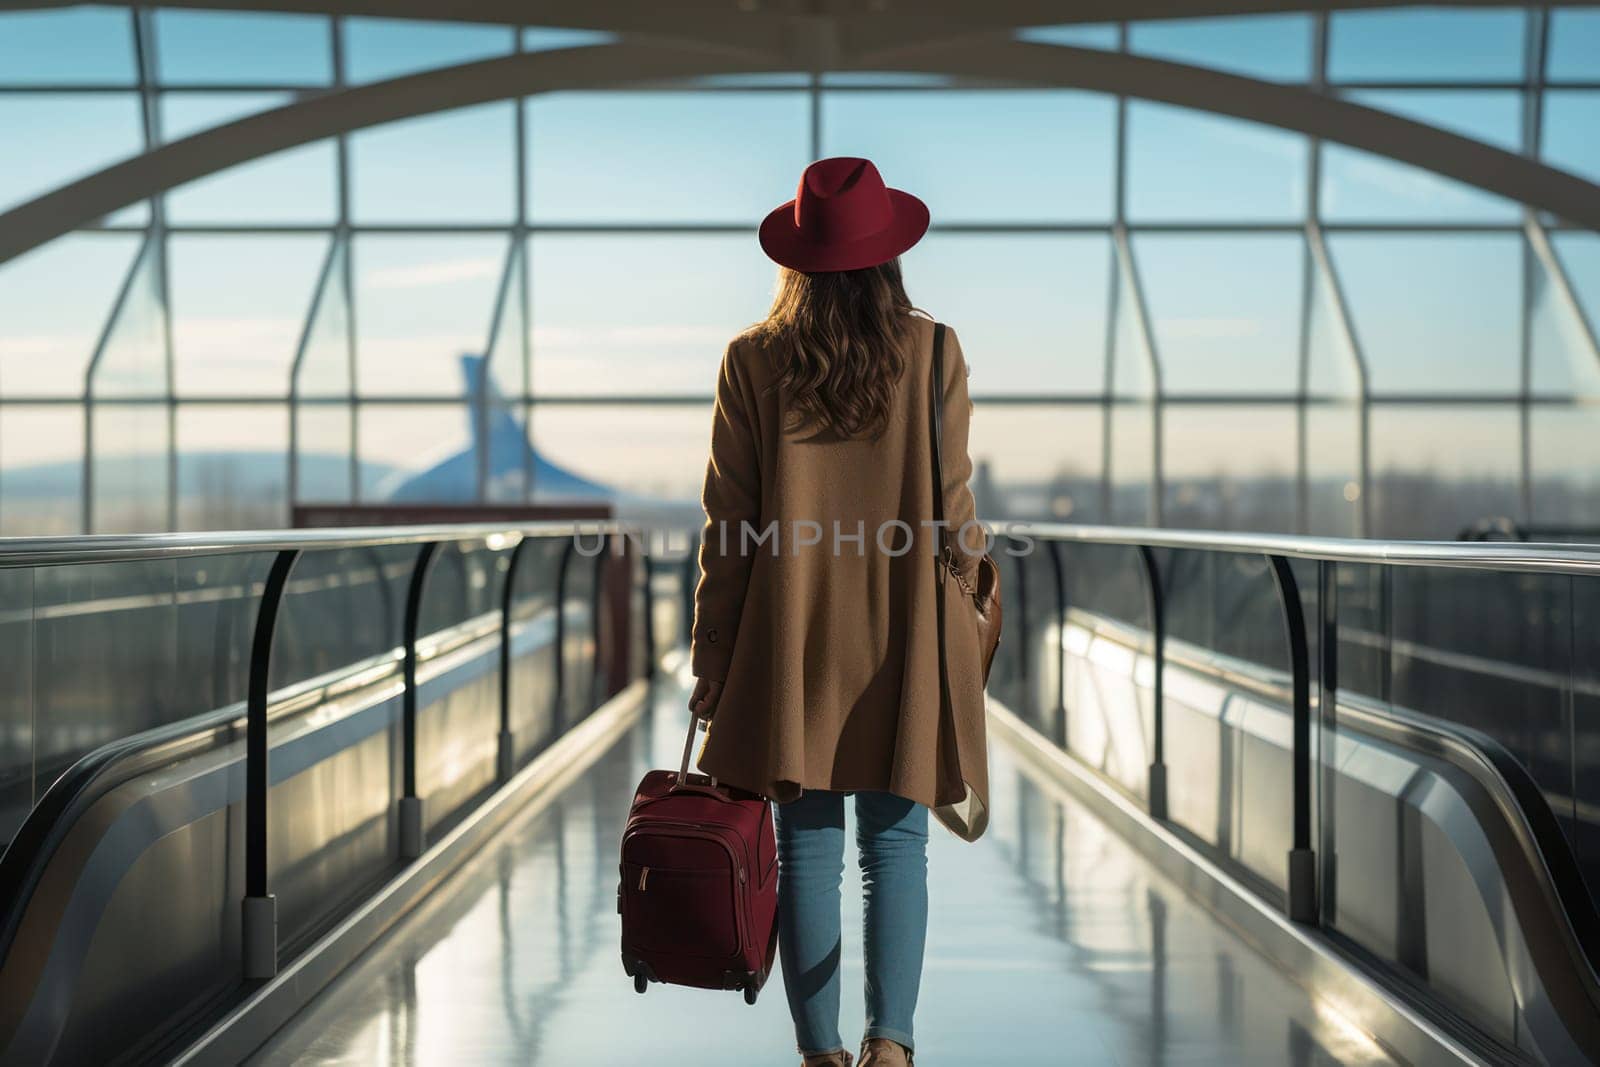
(828, 1059)
(881, 1052)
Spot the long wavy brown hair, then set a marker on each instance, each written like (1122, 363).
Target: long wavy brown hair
(837, 337)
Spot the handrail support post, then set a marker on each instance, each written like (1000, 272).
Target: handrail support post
(602, 624)
(505, 760)
(1156, 786)
(413, 839)
(648, 605)
(259, 909)
(558, 709)
(1327, 720)
(1058, 647)
(1030, 702)
(1302, 860)
(506, 740)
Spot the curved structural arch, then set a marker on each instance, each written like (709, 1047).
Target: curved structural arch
(693, 15)
(1286, 107)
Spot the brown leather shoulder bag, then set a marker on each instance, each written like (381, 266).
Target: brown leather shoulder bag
(986, 596)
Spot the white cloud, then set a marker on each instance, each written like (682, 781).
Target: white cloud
(1209, 328)
(1392, 179)
(712, 337)
(442, 272)
(39, 344)
(242, 338)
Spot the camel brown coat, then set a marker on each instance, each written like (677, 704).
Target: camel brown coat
(816, 606)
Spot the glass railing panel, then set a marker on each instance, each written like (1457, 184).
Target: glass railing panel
(668, 577)
(1227, 745)
(1107, 580)
(16, 700)
(217, 601)
(639, 631)
(1007, 675)
(1493, 652)
(119, 648)
(1507, 659)
(458, 726)
(1586, 730)
(578, 607)
(532, 691)
(1027, 662)
(1225, 603)
(464, 583)
(1363, 628)
(340, 607)
(1106, 656)
(105, 656)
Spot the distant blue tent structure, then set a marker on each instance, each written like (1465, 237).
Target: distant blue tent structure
(454, 479)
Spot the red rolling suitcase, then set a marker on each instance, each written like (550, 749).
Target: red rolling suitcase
(699, 890)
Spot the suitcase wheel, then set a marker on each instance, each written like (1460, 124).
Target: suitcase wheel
(639, 983)
(751, 990)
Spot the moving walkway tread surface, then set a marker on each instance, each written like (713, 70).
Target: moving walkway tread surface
(1051, 942)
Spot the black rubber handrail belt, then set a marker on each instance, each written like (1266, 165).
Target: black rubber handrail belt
(22, 861)
(1520, 822)
(120, 548)
(1549, 875)
(100, 771)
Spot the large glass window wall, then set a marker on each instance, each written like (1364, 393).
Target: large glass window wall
(1170, 316)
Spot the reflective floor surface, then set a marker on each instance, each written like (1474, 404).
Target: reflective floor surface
(1050, 942)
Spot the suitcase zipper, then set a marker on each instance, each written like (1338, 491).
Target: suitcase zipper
(694, 830)
(743, 916)
(644, 876)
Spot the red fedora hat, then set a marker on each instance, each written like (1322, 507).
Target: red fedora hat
(843, 218)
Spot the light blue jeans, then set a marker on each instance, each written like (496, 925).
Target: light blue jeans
(892, 837)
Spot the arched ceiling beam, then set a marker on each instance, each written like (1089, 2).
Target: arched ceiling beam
(1299, 110)
(327, 115)
(1288, 107)
(714, 18)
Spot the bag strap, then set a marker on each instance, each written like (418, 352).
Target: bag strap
(936, 437)
(936, 434)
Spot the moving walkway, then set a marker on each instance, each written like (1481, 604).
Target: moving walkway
(1369, 766)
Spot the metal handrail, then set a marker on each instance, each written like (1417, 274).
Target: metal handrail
(1534, 558)
(259, 919)
(1278, 550)
(1305, 866)
(119, 548)
(184, 738)
(1548, 871)
(110, 548)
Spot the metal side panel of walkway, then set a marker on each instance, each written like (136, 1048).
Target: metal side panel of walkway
(1051, 942)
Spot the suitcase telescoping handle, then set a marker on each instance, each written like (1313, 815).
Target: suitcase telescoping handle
(695, 722)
